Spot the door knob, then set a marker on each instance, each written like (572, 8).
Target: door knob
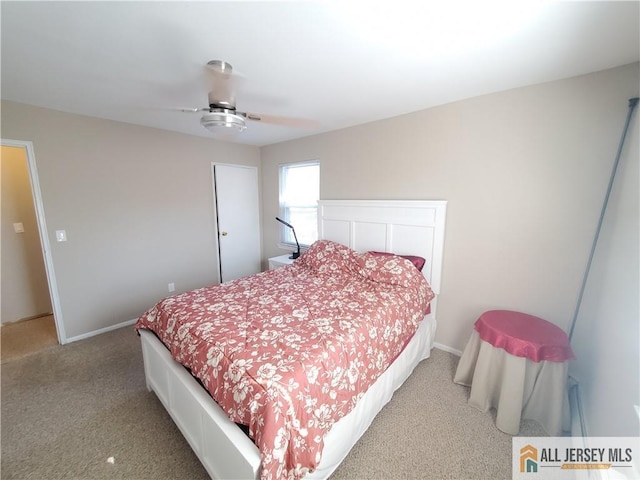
(224, 234)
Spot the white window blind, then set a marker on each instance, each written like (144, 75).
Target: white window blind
(299, 193)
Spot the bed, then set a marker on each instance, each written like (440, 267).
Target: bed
(302, 425)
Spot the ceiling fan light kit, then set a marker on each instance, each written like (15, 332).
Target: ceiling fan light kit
(214, 121)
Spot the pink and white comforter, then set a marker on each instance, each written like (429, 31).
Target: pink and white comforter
(289, 352)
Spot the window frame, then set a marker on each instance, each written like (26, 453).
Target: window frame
(281, 209)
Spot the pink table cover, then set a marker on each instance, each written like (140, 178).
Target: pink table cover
(524, 335)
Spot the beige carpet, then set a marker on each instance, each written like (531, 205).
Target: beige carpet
(26, 337)
(67, 410)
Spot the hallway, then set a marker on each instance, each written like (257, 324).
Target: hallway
(23, 338)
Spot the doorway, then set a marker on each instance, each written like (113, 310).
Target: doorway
(28, 306)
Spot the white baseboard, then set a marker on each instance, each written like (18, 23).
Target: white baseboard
(101, 330)
(446, 348)
(26, 319)
(437, 345)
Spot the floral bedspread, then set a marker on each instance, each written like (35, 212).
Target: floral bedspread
(288, 352)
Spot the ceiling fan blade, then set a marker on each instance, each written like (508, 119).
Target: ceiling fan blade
(193, 110)
(283, 121)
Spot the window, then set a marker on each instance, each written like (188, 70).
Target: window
(299, 193)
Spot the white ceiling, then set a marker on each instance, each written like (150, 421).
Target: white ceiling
(338, 63)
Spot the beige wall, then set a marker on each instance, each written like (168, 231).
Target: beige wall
(136, 204)
(25, 292)
(524, 173)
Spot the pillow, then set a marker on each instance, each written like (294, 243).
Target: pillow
(387, 269)
(325, 256)
(417, 261)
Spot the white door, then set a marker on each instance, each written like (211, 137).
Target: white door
(238, 220)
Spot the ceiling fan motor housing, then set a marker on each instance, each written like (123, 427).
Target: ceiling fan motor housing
(225, 100)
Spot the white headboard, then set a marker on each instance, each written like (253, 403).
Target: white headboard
(404, 227)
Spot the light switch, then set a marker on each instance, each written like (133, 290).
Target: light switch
(18, 227)
(61, 235)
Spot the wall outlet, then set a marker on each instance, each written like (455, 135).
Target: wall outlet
(171, 287)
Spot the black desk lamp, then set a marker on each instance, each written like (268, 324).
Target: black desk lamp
(294, 254)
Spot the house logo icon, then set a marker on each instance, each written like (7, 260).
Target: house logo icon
(528, 459)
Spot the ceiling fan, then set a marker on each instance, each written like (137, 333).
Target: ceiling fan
(221, 114)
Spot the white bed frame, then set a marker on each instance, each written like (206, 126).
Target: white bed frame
(402, 227)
